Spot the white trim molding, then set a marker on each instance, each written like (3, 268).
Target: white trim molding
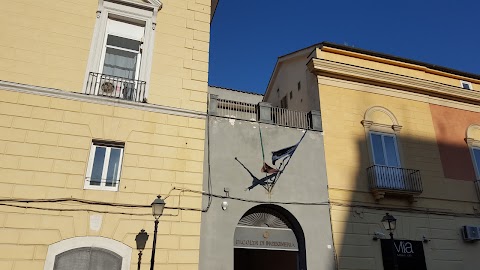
(327, 68)
(56, 93)
(144, 12)
(119, 248)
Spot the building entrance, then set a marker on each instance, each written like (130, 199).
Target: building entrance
(265, 238)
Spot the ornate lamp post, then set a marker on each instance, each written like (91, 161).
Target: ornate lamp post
(141, 240)
(390, 223)
(157, 210)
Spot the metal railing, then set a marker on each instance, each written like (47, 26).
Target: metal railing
(237, 109)
(394, 179)
(284, 117)
(115, 87)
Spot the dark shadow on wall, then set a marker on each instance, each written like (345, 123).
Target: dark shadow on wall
(357, 215)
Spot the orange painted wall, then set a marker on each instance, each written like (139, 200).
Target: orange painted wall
(450, 126)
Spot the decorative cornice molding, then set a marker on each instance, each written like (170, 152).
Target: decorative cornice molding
(361, 74)
(56, 93)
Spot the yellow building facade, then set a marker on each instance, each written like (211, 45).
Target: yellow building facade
(102, 108)
(399, 139)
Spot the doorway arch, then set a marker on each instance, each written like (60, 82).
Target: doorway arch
(269, 236)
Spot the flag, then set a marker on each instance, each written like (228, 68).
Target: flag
(268, 169)
(285, 152)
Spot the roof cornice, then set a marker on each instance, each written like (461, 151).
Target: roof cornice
(329, 68)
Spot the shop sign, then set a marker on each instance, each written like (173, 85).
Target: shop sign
(265, 238)
(409, 254)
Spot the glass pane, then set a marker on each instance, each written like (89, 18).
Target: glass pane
(377, 147)
(120, 63)
(97, 168)
(391, 151)
(113, 167)
(124, 43)
(476, 154)
(104, 260)
(76, 259)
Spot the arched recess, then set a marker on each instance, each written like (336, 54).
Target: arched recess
(109, 248)
(271, 227)
(472, 135)
(380, 119)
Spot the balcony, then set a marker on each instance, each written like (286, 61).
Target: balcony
(115, 87)
(394, 181)
(264, 112)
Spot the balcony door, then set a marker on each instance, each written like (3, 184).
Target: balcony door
(388, 170)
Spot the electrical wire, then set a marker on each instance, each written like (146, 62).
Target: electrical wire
(8, 202)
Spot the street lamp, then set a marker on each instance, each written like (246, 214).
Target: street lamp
(390, 223)
(141, 240)
(157, 210)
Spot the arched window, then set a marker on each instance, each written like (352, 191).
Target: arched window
(381, 130)
(88, 253)
(88, 258)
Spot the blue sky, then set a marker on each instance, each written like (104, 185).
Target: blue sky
(247, 36)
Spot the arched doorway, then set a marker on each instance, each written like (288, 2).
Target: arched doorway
(269, 237)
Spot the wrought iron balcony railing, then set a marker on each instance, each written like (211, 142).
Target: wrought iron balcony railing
(384, 179)
(115, 87)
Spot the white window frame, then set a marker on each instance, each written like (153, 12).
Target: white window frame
(127, 10)
(383, 147)
(468, 83)
(108, 146)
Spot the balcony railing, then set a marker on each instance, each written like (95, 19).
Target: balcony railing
(265, 113)
(237, 109)
(115, 87)
(290, 118)
(384, 179)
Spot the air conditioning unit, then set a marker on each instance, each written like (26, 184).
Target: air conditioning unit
(471, 233)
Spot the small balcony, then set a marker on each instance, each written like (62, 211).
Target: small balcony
(115, 87)
(394, 181)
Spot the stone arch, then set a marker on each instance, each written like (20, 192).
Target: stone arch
(101, 243)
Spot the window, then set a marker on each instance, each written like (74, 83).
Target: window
(385, 155)
(473, 142)
(283, 102)
(88, 252)
(476, 160)
(299, 86)
(88, 258)
(104, 166)
(121, 53)
(291, 95)
(384, 149)
(466, 85)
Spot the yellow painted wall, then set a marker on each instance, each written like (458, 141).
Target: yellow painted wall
(343, 106)
(346, 149)
(44, 147)
(46, 43)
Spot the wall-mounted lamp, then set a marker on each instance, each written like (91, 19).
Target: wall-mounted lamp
(224, 205)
